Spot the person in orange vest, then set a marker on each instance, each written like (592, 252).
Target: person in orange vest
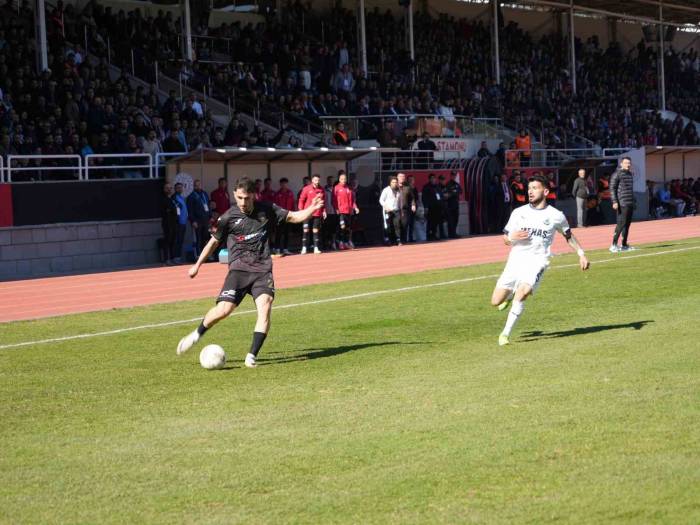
(524, 144)
(519, 190)
(340, 137)
(512, 157)
(605, 199)
(552, 185)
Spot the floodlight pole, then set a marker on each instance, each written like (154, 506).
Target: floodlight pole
(411, 42)
(363, 37)
(42, 54)
(572, 45)
(495, 45)
(186, 22)
(662, 70)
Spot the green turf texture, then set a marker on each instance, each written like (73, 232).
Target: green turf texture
(397, 408)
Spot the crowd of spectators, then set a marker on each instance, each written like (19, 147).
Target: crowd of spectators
(303, 66)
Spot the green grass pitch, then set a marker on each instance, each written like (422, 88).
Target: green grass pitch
(390, 408)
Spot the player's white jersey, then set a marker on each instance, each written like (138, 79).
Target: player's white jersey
(541, 224)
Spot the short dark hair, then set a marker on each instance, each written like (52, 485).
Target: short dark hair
(538, 178)
(246, 185)
(315, 175)
(626, 158)
(222, 179)
(178, 184)
(284, 179)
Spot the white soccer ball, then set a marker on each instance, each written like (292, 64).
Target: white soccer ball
(212, 357)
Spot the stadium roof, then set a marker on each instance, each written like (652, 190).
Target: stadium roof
(676, 12)
(273, 155)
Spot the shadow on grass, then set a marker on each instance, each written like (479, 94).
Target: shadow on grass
(329, 352)
(538, 334)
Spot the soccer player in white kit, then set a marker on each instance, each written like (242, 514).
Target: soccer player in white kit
(530, 232)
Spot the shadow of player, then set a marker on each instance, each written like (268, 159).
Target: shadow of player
(538, 334)
(329, 352)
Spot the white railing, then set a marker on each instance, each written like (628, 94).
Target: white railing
(2, 170)
(547, 158)
(128, 169)
(78, 168)
(159, 160)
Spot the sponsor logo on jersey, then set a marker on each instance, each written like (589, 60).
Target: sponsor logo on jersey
(241, 238)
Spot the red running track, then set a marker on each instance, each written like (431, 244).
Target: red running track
(36, 298)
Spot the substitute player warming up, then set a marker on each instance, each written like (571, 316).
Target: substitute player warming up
(245, 226)
(530, 231)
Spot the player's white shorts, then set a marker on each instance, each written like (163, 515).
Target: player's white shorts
(522, 270)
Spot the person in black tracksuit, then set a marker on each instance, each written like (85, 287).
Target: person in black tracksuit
(453, 193)
(168, 221)
(623, 202)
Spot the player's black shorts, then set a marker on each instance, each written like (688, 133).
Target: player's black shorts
(345, 219)
(239, 283)
(314, 223)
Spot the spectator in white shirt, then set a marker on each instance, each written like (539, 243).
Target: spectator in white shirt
(390, 201)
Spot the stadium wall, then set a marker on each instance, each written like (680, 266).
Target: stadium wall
(33, 251)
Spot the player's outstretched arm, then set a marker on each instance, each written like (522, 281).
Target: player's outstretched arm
(206, 252)
(296, 217)
(583, 261)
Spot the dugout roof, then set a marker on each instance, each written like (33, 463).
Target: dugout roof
(273, 155)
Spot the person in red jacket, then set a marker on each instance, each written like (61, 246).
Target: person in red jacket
(314, 223)
(345, 206)
(267, 194)
(284, 198)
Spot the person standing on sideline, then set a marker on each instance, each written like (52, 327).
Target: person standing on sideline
(199, 214)
(431, 196)
(168, 222)
(605, 199)
(529, 232)
(344, 204)
(580, 193)
(622, 192)
(389, 201)
(552, 187)
(408, 207)
(330, 225)
(221, 197)
(315, 220)
(181, 211)
(245, 228)
(267, 194)
(518, 190)
(453, 192)
(284, 198)
(505, 201)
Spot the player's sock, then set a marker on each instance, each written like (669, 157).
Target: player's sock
(515, 310)
(258, 340)
(316, 238)
(305, 237)
(201, 329)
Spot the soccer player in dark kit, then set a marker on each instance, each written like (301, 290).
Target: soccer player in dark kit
(245, 227)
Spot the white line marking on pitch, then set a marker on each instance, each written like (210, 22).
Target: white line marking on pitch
(328, 300)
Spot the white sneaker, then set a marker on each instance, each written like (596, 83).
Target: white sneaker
(351, 245)
(316, 250)
(250, 361)
(187, 342)
(286, 252)
(303, 250)
(627, 248)
(613, 248)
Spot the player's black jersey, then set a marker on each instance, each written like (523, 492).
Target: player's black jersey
(247, 235)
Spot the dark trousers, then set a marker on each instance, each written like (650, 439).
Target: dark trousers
(282, 236)
(452, 220)
(408, 219)
(392, 227)
(436, 223)
(624, 219)
(179, 238)
(168, 247)
(329, 227)
(201, 233)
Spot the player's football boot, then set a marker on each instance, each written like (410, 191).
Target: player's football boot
(303, 250)
(613, 248)
(250, 361)
(316, 250)
(505, 304)
(503, 340)
(187, 342)
(627, 248)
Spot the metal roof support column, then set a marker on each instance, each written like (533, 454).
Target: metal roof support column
(495, 44)
(662, 70)
(572, 45)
